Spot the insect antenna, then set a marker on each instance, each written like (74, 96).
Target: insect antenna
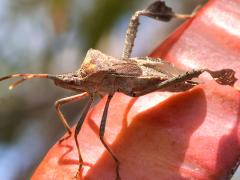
(25, 77)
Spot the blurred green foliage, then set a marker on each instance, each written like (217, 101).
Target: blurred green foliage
(101, 19)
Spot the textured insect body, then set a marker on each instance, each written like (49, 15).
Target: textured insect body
(104, 75)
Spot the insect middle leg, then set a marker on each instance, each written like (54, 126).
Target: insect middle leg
(158, 11)
(101, 135)
(78, 128)
(61, 102)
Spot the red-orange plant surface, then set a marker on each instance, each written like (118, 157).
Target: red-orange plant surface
(192, 135)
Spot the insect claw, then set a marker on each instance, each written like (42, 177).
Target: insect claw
(79, 172)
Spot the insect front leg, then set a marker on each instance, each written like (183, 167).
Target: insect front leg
(58, 105)
(157, 10)
(77, 130)
(101, 135)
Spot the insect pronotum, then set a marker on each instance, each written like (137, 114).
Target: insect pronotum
(104, 75)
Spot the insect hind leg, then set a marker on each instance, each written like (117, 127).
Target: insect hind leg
(158, 10)
(223, 77)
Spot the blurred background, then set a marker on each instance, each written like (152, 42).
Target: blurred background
(53, 36)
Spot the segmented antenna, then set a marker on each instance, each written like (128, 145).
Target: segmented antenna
(25, 77)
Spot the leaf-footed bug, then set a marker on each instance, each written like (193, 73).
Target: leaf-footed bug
(105, 75)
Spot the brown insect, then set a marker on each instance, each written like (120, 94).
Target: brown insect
(104, 75)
